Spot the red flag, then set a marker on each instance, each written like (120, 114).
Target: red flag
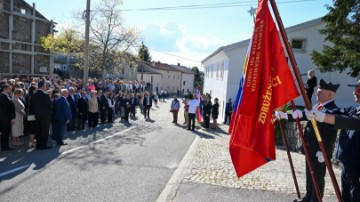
(268, 85)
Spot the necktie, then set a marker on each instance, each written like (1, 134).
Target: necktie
(319, 107)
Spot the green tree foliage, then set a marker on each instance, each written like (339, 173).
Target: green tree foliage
(65, 42)
(143, 53)
(342, 30)
(198, 77)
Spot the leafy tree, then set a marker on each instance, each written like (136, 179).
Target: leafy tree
(108, 34)
(198, 77)
(66, 42)
(342, 30)
(143, 53)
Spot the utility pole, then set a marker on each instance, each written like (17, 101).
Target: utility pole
(87, 37)
(142, 67)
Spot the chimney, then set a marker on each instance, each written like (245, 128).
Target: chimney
(179, 64)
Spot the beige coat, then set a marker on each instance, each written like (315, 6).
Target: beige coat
(17, 129)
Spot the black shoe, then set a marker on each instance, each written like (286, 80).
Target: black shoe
(188, 129)
(7, 149)
(61, 143)
(305, 199)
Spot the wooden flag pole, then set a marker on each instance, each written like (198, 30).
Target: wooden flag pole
(307, 155)
(305, 97)
(289, 158)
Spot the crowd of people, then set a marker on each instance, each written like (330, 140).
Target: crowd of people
(31, 105)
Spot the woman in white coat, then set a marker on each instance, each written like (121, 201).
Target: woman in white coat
(17, 129)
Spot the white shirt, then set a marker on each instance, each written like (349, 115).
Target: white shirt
(193, 104)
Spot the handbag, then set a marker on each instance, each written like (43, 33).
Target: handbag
(30, 117)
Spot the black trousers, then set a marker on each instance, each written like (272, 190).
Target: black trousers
(110, 114)
(319, 172)
(350, 185)
(93, 119)
(5, 133)
(206, 120)
(147, 111)
(103, 114)
(191, 121)
(227, 114)
(42, 135)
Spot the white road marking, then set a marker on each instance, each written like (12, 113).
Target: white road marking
(69, 151)
(97, 141)
(14, 170)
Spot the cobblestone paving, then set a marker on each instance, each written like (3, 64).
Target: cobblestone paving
(211, 164)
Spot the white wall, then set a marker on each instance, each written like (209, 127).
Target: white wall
(189, 82)
(216, 85)
(315, 41)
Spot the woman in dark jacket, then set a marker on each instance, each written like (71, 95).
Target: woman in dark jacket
(215, 113)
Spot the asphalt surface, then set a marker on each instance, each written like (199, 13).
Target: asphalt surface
(114, 162)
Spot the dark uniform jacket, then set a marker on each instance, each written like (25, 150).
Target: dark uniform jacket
(7, 109)
(328, 132)
(348, 151)
(41, 103)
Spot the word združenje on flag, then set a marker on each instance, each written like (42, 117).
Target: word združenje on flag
(266, 85)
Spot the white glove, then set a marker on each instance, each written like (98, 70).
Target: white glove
(318, 115)
(309, 114)
(320, 157)
(297, 114)
(281, 115)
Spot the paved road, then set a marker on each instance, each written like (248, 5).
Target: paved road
(119, 162)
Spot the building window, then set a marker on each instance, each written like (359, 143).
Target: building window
(184, 82)
(168, 76)
(222, 71)
(217, 71)
(174, 76)
(298, 45)
(212, 68)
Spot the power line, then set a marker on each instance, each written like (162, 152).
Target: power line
(205, 6)
(192, 60)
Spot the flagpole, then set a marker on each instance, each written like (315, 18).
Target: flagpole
(289, 158)
(307, 155)
(305, 97)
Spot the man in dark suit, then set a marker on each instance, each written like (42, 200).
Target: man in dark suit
(104, 107)
(133, 103)
(72, 100)
(7, 117)
(147, 103)
(63, 116)
(348, 150)
(82, 111)
(41, 104)
(325, 97)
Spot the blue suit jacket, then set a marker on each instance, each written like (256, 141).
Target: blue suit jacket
(63, 112)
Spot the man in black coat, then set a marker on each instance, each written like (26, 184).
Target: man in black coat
(82, 111)
(348, 150)
(133, 103)
(7, 117)
(72, 100)
(325, 97)
(207, 105)
(147, 103)
(104, 107)
(41, 104)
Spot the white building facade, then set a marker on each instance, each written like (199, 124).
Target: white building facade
(223, 68)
